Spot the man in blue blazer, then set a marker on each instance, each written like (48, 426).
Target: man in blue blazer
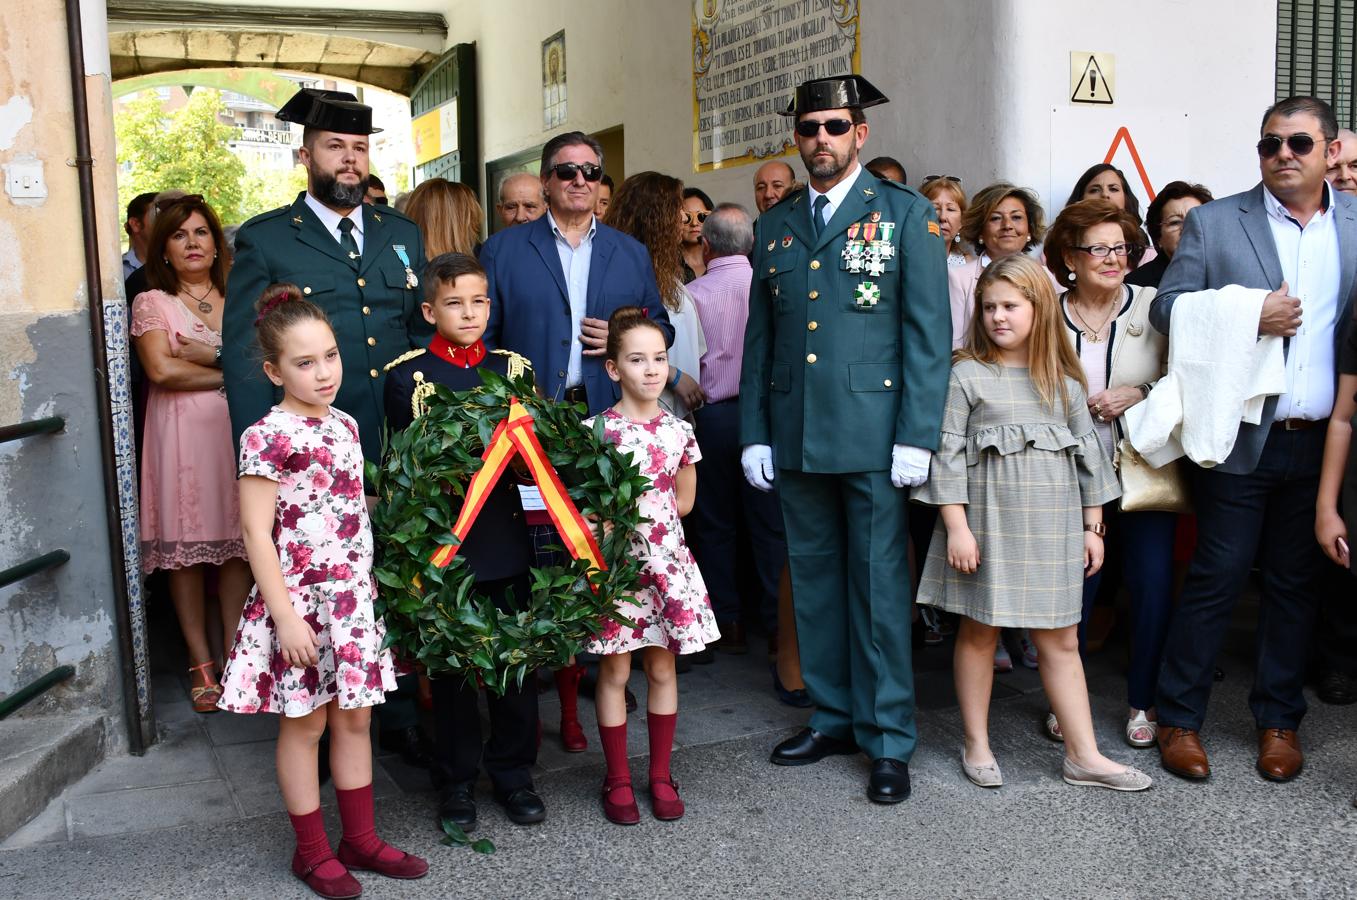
(555, 281)
(1296, 237)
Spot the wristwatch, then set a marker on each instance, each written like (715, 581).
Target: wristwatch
(1097, 528)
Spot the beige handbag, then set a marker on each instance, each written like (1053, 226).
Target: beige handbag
(1147, 489)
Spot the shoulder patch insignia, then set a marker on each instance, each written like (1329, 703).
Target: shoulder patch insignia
(934, 230)
(404, 357)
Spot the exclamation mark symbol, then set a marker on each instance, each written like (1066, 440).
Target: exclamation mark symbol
(1092, 81)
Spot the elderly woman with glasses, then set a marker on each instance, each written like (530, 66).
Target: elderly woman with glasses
(1087, 249)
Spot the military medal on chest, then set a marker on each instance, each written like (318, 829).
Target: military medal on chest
(411, 280)
(854, 250)
(866, 295)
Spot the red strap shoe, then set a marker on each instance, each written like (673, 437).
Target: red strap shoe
(666, 810)
(405, 866)
(340, 887)
(620, 813)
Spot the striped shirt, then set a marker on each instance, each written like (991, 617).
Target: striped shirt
(722, 300)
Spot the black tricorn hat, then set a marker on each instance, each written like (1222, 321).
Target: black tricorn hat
(839, 92)
(337, 111)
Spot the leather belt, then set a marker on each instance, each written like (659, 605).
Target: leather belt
(575, 394)
(1299, 424)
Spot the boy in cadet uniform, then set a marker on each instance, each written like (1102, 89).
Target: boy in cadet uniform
(497, 549)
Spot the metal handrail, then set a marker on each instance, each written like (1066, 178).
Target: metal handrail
(33, 566)
(48, 425)
(34, 690)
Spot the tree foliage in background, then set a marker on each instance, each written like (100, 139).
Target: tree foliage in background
(187, 150)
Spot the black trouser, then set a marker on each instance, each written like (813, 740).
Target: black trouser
(1337, 631)
(512, 749)
(724, 499)
(1269, 513)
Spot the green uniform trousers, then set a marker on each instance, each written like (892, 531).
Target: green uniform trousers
(847, 542)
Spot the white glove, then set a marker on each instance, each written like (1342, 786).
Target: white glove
(757, 460)
(909, 465)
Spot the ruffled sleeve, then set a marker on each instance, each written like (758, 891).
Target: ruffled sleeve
(691, 452)
(947, 471)
(1097, 479)
(148, 314)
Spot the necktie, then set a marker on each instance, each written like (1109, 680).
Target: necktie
(817, 216)
(346, 240)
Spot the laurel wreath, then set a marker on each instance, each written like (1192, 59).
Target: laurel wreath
(435, 616)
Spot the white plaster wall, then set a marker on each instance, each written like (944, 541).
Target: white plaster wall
(972, 84)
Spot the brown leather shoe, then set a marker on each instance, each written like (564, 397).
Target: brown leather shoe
(1279, 756)
(1181, 752)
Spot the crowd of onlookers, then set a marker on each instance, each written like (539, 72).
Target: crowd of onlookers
(1106, 256)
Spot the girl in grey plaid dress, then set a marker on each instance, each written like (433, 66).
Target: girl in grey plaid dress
(1020, 480)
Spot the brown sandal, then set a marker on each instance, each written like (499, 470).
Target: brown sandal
(204, 696)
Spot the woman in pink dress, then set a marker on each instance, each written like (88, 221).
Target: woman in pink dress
(190, 515)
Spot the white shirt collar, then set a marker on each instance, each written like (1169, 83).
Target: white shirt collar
(1278, 211)
(838, 192)
(556, 229)
(330, 219)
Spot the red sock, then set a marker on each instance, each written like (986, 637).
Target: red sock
(568, 690)
(661, 749)
(614, 740)
(313, 845)
(360, 830)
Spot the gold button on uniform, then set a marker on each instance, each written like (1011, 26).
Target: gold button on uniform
(815, 295)
(810, 358)
(362, 282)
(772, 269)
(815, 264)
(367, 310)
(372, 342)
(812, 326)
(887, 382)
(307, 289)
(372, 372)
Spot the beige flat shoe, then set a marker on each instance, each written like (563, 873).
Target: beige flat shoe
(986, 776)
(1131, 779)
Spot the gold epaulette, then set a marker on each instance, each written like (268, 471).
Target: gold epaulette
(411, 354)
(518, 364)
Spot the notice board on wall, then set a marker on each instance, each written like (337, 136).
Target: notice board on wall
(748, 58)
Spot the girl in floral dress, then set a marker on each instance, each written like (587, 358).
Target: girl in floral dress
(671, 609)
(309, 645)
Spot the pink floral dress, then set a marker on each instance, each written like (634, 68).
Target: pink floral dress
(324, 543)
(670, 608)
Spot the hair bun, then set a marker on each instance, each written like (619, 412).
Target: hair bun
(625, 315)
(274, 296)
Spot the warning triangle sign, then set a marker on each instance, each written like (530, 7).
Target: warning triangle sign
(1093, 85)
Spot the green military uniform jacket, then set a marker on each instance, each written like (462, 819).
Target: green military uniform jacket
(839, 365)
(370, 301)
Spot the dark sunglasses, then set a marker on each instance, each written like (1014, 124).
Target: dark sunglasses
(1300, 144)
(566, 171)
(808, 128)
(955, 179)
(690, 217)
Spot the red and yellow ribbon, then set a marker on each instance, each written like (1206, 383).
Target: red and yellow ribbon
(515, 435)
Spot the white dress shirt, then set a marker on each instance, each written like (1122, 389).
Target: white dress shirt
(835, 195)
(575, 265)
(1312, 266)
(330, 219)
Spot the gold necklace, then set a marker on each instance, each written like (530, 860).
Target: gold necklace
(1092, 335)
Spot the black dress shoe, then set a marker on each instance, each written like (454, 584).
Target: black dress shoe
(798, 697)
(522, 806)
(410, 743)
(889, 782)
(1337, 689)
(809, 746)
(458, 803)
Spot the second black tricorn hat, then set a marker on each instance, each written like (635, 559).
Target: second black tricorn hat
(337, 111)
(838, 92)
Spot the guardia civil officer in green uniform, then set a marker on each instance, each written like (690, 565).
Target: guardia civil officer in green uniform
(356, 262)
(846, 361)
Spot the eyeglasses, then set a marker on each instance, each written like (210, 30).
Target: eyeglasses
(1300, 144)
(809, 128)
(1102, 251)
(566, 171)
(695, 218)
(955, 179)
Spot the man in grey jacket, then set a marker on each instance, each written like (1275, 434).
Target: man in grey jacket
(1295, 237)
